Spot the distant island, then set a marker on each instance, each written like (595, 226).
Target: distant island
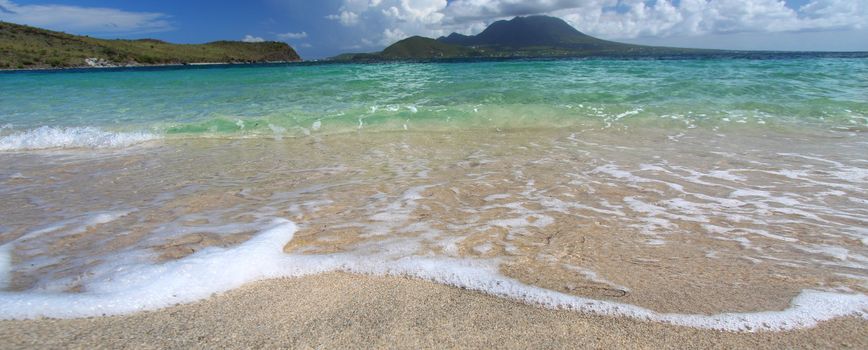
(532, 36)
(25, 47)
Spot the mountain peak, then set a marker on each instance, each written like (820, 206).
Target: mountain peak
(522, 32)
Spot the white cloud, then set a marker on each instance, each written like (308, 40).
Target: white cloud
(252, 39)
(384, 21)
(703, 17)
(287, 36)
(392, 35)
(346, 18)
(421, 11)
(77, 19)
(295, 37)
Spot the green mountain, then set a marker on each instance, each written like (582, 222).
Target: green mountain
(418, 47)
(532, 36)
(29, 47)
(532, 31)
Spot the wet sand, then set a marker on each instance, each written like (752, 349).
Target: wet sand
(338, 310)
(689, 227)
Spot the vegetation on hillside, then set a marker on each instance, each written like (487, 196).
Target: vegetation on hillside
(29, 47)
(421, 47)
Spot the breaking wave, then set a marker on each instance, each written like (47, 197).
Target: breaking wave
(48, 137)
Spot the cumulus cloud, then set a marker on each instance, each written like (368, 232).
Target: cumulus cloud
(388, 20)
(287, 36)
(78, 19)
(252, 39)
(346, 18)
(392, 35)
(701, 17)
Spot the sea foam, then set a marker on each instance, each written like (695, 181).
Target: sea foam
(5, 264)
(213, 270)
(47, 137)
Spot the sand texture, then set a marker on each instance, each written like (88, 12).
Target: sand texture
(339, 310)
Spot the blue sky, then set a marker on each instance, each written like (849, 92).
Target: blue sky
(328, 27)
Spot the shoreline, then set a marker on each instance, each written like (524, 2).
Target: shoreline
(340, 309)
(548, 284)
(732, 55)
(134, 66)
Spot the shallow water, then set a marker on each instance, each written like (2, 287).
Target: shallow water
(663, 190)
(77, 109)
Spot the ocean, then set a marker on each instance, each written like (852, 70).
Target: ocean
(717, 193)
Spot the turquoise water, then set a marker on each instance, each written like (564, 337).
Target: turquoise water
(296, 100)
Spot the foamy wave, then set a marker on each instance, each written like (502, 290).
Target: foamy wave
(213, 270)
(48, 137)
(5, 264)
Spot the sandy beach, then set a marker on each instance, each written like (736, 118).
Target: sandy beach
(340, 310)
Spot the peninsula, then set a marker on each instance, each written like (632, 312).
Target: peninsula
(26, 47)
